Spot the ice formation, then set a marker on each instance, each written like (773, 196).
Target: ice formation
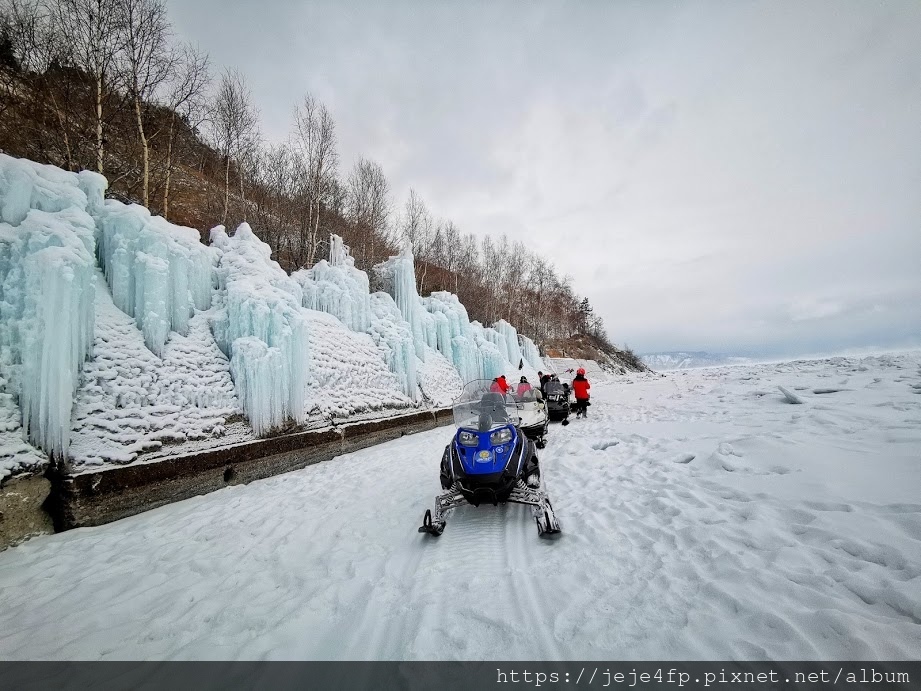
(393, 336)
(456, 339)
(349, 376)
(166, 365)
(46, 293)
(509, 339)
(440, 321)
(158, 272)
(439, 379)
(492, 359)
(397, 276)
(530, 352)
(262, 314)
(130, 401)
(337, 287)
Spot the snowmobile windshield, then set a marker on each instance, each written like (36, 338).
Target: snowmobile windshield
(554, 388)
(530, 396)
(481, 408)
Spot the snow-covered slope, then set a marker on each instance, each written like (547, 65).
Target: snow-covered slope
(566, 368)
(131, 400)
(704, 518)
(689, 360)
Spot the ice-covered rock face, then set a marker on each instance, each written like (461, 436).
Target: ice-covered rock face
(455, 337)
(337, 287)
(25, 185)
(492, 360)
(440, 322)
(46, 294)
(510, 338)
(530, 352)
(262, 327)
(159, 273)
(398, 278)
(393, 336)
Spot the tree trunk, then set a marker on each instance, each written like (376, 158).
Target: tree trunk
(226, 189)
(63, 125)
(242, 192)
(316, 234)
(169, 164)
(100, 147)
(144, 148)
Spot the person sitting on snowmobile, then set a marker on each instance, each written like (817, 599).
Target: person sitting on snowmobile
(580, 387)
(499, 385)
(523, 387)
(544, 378)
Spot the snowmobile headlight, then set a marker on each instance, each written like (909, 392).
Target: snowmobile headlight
(468, 438)
(500, 436)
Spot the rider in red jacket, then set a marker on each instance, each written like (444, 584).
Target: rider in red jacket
(580, 387)
(499, 385)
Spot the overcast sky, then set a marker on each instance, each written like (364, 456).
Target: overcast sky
(725, 176)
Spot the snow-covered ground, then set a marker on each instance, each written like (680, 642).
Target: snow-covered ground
(703, 515)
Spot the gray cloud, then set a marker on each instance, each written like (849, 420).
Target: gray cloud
(714, 175)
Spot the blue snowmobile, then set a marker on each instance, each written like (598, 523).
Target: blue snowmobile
(489, 461)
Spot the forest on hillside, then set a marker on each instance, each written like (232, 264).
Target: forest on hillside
(105, 85)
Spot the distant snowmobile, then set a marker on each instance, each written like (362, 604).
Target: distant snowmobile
(557, 401)
(534, 419)
(489, 461)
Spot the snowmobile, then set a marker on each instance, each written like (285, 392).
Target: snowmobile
(557, 398)
(533, 413)
(489, 461)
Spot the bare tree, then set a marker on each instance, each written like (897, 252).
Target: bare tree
(41, 52)
(513, 280)
(273, 184)
(416, 228)
(90, 29)
(234, 122)
(369, 205)
(415, 222)
(317, 159)
(8, 61)
(146, 62)
(452, 251)
(185, 99)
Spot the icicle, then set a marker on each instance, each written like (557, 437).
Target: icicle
(262, 329)
(47, 292)
(129, 237)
